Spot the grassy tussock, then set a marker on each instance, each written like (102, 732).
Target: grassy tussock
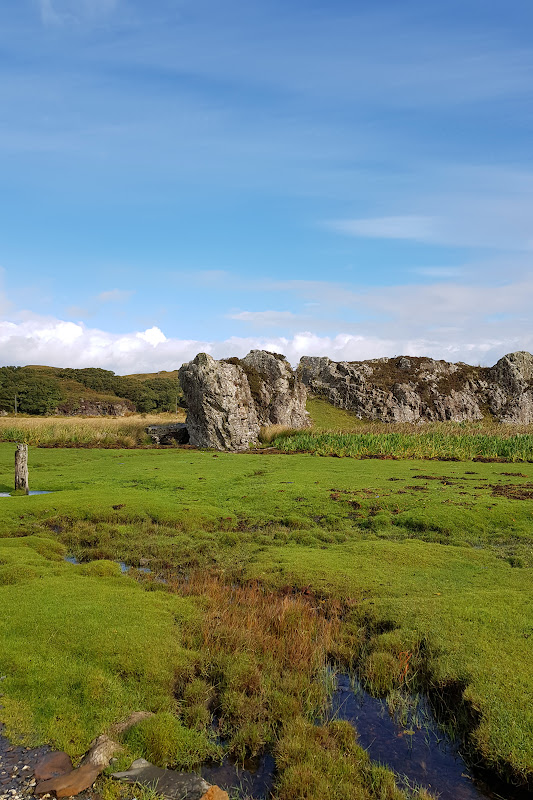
(314, 759)
(265, 656)
(268, 433)
(83, 431)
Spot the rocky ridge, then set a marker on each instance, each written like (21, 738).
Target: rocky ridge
(408, 389)
(229, 401)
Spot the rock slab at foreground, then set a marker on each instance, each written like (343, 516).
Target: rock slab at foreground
(72, 783)
(228, 401)
(172, 785)
(52, 766)
(408, 389)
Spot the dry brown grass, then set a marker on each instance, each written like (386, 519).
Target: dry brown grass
(126, 431)
(268, 433)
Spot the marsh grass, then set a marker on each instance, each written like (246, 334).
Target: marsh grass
(395, 556)
(448, 442)
(129, 431)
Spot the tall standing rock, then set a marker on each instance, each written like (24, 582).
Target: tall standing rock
(220, 408)
(512, 397)
(21, 468)
(228, 401)
(278, 393)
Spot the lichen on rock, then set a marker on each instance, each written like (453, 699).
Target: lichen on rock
(229, 401)
(409, 389)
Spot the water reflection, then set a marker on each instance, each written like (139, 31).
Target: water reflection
(423, 754)
(8, 494)
(254, 780)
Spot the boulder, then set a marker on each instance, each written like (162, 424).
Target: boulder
(228, 401)
(174, 432)
(513, 377)
(71, 783)
(409, 389)
(220, 410)
(171, 784)
(52, 765)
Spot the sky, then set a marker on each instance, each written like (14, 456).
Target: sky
(343, 178)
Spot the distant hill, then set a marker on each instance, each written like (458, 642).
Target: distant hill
(37, 389)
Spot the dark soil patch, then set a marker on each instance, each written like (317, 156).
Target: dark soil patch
(513, 491)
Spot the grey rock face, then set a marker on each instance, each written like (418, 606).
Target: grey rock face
(513, 377)
(172, 785)
(408, 389)
(279, 395)
(220, 409)
(228, 401)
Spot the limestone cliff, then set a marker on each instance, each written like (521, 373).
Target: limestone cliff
(408, 389)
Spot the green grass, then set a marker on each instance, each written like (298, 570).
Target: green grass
(447, 445)
(81, 647)
(433, 558)
(327, 417)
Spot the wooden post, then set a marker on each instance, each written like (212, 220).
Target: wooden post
(21, 468)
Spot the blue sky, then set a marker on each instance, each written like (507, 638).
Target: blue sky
(351, 179)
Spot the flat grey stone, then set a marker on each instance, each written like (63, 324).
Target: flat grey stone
(173, 785)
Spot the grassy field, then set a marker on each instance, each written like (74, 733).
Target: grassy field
(275, 565)
(127, 431)
(334, 432)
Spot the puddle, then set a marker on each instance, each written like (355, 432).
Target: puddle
(126, 568)
(253, 780)
(122, 564)
(8, 494)
(424, 755)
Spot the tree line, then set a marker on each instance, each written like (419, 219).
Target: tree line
(49, 390)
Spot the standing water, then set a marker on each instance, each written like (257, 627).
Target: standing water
(8, 494)
(423, 753)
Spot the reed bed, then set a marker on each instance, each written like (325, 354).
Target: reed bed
(127, 431)
(445, 443)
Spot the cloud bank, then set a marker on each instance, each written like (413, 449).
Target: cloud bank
(55, 342)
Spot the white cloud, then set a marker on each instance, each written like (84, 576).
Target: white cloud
(401, 227)
(153, 336)
(267, 318)
(114, 296)
(61, 12)
(44, 340)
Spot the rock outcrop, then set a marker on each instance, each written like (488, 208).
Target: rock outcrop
(172, 433)
(95, 408)
(407, 389)
(228, 401)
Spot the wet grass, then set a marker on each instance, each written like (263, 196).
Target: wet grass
(409, 570)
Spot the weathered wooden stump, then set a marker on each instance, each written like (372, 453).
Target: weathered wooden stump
(21, 468)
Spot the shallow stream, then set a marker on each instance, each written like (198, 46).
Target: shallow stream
(418, 752)
(421, 751)
(411, 744)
